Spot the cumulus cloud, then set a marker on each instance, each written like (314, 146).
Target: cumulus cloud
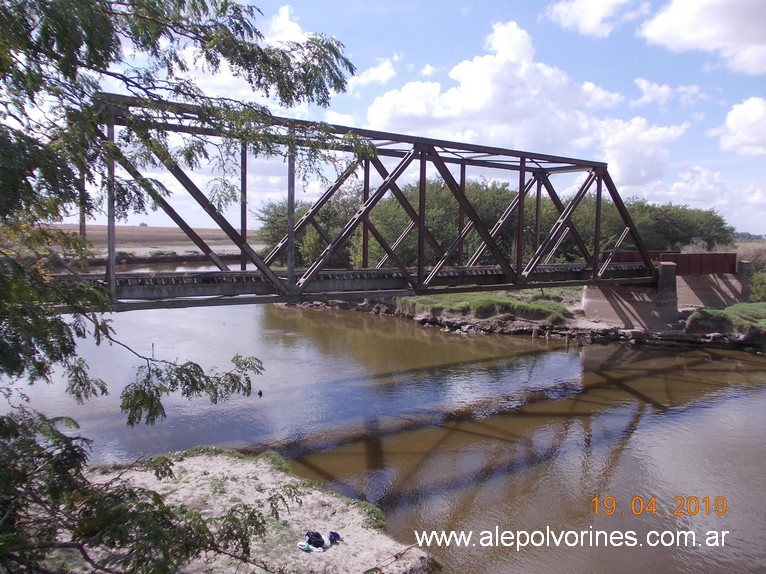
(591, 18)
(636, 150)
(505, 97)
(428, 70)
(283, 28)
(733, 30)
(379, 74)
(662, 94)
(744, 131)
(699, 186)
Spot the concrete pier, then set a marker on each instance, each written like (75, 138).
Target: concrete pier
(636, 307)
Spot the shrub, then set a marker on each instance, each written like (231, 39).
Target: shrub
(758, 287)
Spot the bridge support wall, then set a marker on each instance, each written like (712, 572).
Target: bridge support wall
(635, 307)
(657, 307)
(716, 290)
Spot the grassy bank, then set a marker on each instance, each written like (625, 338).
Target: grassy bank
(550, 308)
(739, 317)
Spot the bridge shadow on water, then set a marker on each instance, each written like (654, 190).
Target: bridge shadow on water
(425, 457)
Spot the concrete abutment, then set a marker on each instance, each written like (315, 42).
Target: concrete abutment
(657, 307)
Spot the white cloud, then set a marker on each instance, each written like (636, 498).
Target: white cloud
(652, 93)
(731, 28)
(508, 99)
(598, 97)
(428, 70)
(588, 17)
(744, 131)
(379, 74)
(635, 150)
(332, 117)
(282, 28)
(699, 187)
(662, 94)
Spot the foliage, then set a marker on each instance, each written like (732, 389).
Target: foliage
(671, 226)
(54, 58)
(309, 242)
(662, 227)
(112, 526)
(741, 316)
(483, 305)
(758, 287)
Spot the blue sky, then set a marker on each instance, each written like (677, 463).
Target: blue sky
(671, 93)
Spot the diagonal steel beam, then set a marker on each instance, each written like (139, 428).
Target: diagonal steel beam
(612, 251)
(133, 171)
(352, 224)
(471, 213)
(562, 224)
(560, 208)
(309, 215)
(392, 254)
(407, 206)
(627, 220)
(327, 239)
(499, 224)
(164, 156)
(466, 229)
(396, 244)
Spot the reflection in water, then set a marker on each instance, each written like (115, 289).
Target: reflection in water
(467, 433)
(641, 424)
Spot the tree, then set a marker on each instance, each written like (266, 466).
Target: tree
(670, 227)
(54, 57)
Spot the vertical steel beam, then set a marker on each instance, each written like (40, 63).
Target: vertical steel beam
(308, 217)
(454, 187)
(461, 219)
(422, 219)
(365, 224)
(111, 269)
(563, 223)
(597, 231)
(351, 225)
(520, 217)
(132, 170)
(538, 209)
(243, 202)
(164, 156)
(291, 217)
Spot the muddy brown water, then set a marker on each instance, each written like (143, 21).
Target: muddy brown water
(605, 457)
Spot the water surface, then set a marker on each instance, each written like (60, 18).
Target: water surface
(468, 433)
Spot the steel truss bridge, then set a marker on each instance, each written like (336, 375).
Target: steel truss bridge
(387, 163)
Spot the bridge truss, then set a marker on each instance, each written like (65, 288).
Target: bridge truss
(390, 170)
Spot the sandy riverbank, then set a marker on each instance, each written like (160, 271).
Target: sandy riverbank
(215, 479)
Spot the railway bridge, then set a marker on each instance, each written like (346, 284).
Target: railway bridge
(519, 246)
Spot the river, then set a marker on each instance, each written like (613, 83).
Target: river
(599, 454)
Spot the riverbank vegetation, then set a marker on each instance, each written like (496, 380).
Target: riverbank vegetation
(741, 317)
(483, 305)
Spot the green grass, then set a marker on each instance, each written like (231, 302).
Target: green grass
(487, 304)
(741, 315)
(747, 314)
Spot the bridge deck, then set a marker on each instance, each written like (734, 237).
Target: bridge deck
(188, 289)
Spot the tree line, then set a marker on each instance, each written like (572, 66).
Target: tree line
(668, 227)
